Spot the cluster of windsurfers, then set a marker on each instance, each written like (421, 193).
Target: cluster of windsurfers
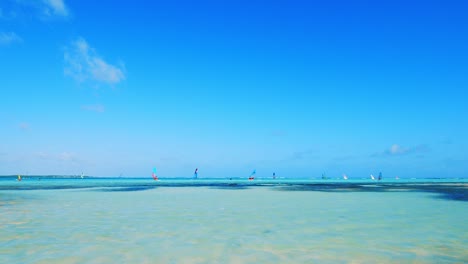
(345, 177)
(252, 175)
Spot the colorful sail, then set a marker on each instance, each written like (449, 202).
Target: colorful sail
(155, 177)
(195, 174)
(19, 177)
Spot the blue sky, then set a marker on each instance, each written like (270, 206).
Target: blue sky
(292, 87)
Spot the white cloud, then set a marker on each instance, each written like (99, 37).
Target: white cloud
(94, 108)
(55, 7)
(398, 150)
(83, 63)
(7, 38)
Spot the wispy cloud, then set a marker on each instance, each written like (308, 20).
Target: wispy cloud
(83, 64)
(398, 150)
(42, 9)
(42, 155)
(446, 141)
(24, 126)
(93, 108)
(7, 38)
(55, 7)
(67, 156)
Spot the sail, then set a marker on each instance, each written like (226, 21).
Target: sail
(274, 175)
(251, 177)
(19, 177)
(372, 177)
(155, 177)
(82, 175)
(345, 177)
(380, 176)
(195, 174)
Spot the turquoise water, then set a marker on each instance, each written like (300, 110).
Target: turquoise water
(233, 221)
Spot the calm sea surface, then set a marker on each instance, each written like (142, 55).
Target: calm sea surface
(233, 221)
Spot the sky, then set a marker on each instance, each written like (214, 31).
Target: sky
(298, 88)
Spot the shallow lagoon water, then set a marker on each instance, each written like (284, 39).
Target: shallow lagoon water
(233, 221)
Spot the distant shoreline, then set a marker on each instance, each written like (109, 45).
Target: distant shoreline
(48, 176)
